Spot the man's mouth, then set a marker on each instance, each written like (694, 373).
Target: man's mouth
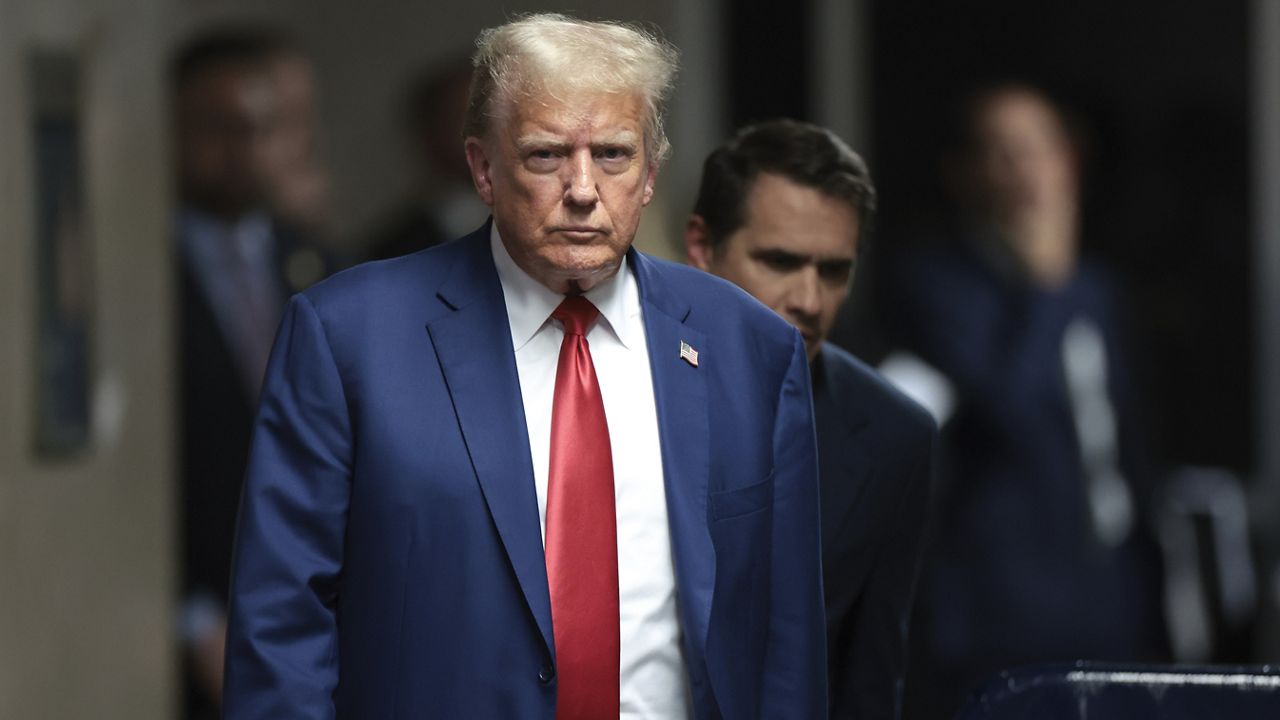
(580, 232)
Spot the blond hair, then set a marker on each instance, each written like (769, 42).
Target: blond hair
(555, 55)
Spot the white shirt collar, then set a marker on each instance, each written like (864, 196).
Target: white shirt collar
(530, 303)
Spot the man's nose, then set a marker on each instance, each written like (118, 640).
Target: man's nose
(581, 186)
(805, 297)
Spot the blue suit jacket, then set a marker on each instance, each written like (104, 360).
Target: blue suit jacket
(389, 561)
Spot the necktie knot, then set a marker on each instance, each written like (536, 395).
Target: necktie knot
(576, 313)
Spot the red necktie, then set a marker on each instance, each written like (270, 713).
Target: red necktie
(582, 535)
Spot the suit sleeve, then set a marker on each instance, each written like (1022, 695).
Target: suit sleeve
(1000, 350)
(282, 638)
(795, 661)
(870, 684)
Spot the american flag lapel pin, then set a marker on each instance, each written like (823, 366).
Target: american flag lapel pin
(688, 354)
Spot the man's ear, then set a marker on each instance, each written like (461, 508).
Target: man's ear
(697, 243)
(481, 168)
(651, 178)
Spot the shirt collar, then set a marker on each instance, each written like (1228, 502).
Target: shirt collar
(530, 303)
(203, 233)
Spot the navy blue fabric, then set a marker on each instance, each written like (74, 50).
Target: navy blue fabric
(389, 560)
(1016, 574)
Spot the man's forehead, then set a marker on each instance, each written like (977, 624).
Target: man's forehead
(774, 196)
(236, 88)
(784, 216)
(574, 112)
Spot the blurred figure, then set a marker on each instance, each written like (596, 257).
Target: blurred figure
(781, 212)
(237, 265)
(298, 183)
(1041, 552)
(443, 204)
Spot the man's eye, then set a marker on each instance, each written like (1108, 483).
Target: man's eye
(613, 155)
(781, 262)
(835, 272)
(542, 160)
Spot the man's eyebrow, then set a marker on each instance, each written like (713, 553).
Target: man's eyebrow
(621, 137)
(780, 254)
(525, 143)
(785, 254)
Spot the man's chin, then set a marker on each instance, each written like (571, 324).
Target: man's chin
(582, 271)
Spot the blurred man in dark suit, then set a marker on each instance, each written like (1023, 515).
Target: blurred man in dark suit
(781, 212)
(443, 204)
(1041, 551)
(236, 266)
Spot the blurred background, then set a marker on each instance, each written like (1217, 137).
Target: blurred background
(1171, 112)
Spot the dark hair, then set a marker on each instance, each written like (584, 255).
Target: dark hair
(803, 153)
(242, 46)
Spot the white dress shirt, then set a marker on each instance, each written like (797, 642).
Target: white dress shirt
(653, 679)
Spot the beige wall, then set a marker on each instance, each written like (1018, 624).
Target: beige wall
(86, 556)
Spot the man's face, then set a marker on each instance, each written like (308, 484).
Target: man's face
(1024, 161)
(794, 252)
(225, 119)
(566, 180)
(293, 137)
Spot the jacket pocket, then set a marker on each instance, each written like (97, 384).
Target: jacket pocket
(727, 504)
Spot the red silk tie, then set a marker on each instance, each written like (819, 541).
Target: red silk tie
(582, 534)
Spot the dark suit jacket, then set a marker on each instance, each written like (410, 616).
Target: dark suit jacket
(216, 415)
(389, 559)
(410, 229)
(1018, 575)
(875, 459)
(217, 421)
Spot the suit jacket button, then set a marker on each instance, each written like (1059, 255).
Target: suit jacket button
(546, 674)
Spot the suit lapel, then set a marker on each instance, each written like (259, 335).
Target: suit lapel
(845, 461)
(680, 394)
(473, 346)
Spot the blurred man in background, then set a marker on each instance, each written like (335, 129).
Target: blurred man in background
(298, 181)
(236, 266)
(1041, 553)
(443, 204)
(781, 212)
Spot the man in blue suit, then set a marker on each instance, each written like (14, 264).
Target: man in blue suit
(430, 424)
(780, 212)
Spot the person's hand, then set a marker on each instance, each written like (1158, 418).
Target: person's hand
(207, 655)
(1045, 246)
